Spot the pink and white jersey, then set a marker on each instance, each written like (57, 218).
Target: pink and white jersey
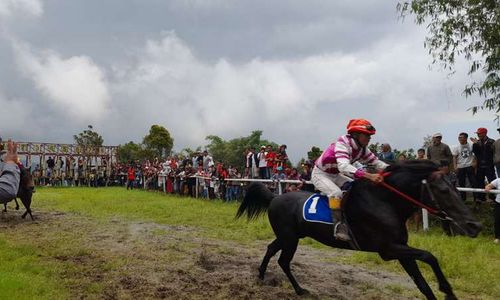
(339, 157)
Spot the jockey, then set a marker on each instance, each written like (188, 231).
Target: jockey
(335, 167)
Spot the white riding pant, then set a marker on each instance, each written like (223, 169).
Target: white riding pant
(328, 184)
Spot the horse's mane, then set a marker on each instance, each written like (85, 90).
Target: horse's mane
(416, 167)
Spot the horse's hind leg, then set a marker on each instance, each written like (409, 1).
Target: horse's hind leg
(17, 203)
(26, 200)
(287, 252)
(272, 249)
(28, 211)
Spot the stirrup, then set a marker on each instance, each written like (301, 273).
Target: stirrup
(342, 235)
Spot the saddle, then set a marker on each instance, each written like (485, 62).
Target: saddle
(316, 208)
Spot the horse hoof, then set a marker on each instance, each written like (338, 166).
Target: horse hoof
(262, 273)
(302, 292)
(450, 297)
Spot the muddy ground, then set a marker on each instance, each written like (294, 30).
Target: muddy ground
(118, 259)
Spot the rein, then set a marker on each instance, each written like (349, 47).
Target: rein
(439, 213)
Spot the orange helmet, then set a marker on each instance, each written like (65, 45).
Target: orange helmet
(361, 126)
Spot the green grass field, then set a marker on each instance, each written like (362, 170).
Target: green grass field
(471, 265)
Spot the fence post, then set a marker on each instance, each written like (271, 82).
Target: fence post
(280, 190)
(425, 219)
(197, 186)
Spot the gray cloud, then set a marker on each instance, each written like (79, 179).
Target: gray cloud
(298, 71)
(30, 7)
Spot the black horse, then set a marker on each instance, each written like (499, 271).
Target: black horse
(376, 217)
(25, 192)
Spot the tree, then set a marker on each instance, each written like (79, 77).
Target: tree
(188, 152)
(158, 140)
(427, 141)
(128, 152)
(233, 152)
(375, 148)
(89, 141)
(468, 28)
(408, 153)
(314, 153)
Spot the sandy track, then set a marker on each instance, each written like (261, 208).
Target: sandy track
(117, 259)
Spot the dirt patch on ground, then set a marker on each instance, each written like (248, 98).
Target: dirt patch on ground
(116, 259)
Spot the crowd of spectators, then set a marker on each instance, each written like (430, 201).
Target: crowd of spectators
(70, 171)
(472, 161)
(177, 175)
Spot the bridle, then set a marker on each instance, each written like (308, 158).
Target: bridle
(437, 211)
(425, 185)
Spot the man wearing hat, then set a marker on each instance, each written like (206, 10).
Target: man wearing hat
(483, 150)
(261, 157)
(439, 151)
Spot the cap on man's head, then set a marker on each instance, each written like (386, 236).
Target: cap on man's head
(481, 130)
(438, 134)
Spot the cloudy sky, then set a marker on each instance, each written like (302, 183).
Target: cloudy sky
(297, 70)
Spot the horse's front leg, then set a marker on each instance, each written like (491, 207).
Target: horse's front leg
(406, 255)
(411, 267)
(17, 203)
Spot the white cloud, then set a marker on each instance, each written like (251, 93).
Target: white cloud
(30, 7)
(75, 85)
(308, 97)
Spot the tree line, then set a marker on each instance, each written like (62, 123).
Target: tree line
(158, 143)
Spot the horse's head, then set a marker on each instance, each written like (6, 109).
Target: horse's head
(448, 199)
(436, 191)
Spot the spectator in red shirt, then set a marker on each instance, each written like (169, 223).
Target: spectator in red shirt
(130, 177)
(282, 156)
(271, 160)
(223, 174)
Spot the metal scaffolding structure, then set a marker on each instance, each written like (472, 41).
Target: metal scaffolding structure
(55, 150)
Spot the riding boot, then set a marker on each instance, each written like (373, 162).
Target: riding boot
(340, 229)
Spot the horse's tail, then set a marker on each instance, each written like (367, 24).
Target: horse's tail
(256, 201)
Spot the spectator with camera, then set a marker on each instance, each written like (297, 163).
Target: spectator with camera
(9, 173)
(261, 157)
